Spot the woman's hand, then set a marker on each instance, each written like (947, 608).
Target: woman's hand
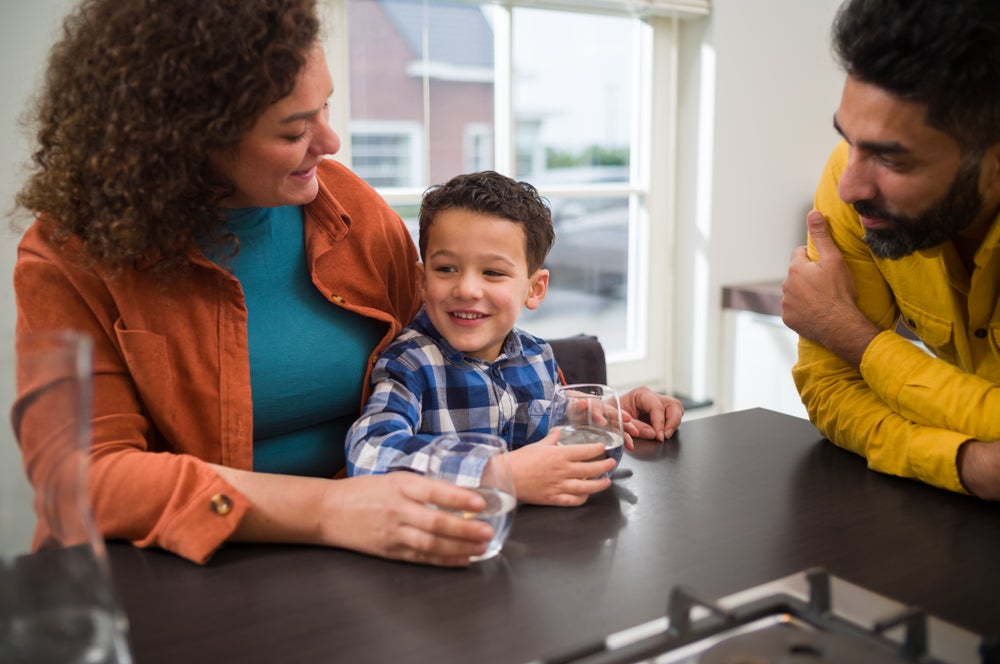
(651, 415)
(384, 515)
(391, 516)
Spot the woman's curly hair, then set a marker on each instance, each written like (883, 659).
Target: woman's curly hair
(136, 96)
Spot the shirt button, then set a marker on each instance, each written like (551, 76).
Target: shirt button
(337, 299)
(981, 333)
(222, 504)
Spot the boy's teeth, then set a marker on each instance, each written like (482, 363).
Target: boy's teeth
(465, 315)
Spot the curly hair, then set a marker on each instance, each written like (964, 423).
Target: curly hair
(136, 95)
(942, 54)
(488, 192)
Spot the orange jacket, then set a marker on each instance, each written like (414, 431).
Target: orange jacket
(171, 364)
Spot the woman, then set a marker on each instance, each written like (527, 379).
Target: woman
(236, 284)
(156, 119)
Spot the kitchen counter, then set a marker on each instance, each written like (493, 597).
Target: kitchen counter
(762, 297)
(732, 502)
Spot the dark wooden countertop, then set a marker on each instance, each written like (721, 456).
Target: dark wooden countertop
(734, 501)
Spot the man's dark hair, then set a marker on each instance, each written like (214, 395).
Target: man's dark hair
(942, 53)
(488, 192)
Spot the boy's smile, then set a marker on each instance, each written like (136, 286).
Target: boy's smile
(475, 280)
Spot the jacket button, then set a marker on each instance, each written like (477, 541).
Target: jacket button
(337, 299)
(912, 323)
(980, 333)
(222, 504)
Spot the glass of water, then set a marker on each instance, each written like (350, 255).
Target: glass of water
(588, 413)
(57, 604)
(480, 462)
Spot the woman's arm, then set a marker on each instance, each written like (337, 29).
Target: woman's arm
(653, 416)
(384, 515)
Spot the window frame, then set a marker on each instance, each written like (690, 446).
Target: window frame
(412, 131)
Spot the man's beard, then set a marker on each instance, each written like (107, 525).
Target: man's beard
(954, 211)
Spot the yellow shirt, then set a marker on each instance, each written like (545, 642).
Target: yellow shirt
(908, 411)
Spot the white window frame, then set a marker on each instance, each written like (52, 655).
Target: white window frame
(652, 247)
(473, 153)
(413, 131)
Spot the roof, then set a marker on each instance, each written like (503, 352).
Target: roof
(459, 34)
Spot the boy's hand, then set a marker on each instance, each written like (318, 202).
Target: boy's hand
(549, 474)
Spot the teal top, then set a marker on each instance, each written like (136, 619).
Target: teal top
(307, 356)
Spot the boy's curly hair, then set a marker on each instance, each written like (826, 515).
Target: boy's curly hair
(137, 94)
(489, 192)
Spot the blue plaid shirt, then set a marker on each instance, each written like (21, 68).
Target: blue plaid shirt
(423, 387)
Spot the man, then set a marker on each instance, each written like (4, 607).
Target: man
(907, 228)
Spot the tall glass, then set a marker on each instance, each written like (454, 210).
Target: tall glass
(57, 604)
(479, 461)
(588, 413)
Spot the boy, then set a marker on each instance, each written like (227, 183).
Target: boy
(461, 365)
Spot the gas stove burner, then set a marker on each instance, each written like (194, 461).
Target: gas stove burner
(806, 618)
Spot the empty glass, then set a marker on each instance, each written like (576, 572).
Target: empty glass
(587, 413)
(58, 604)
(480, 462)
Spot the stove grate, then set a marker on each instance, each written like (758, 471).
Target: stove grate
(782, 626)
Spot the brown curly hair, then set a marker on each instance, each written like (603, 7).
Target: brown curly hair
(491, 193)
(137, 94)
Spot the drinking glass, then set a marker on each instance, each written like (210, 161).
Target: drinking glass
(589, 413)
(57, 604)
(480, 462)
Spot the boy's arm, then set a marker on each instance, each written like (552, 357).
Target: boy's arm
(385, 437)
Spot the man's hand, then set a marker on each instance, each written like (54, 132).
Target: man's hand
(818, 298)
(979, 468)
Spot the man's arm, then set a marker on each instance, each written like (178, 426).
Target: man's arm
(866, 388)
(819, 304)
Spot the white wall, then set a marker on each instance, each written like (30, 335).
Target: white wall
(759, 88)
(26, 31)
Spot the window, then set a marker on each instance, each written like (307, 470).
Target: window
(573, 98)
(387, 154)
(553, 92)
(477, 150)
